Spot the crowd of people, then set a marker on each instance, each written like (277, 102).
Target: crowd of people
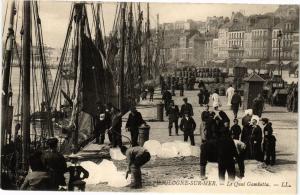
(220, 142)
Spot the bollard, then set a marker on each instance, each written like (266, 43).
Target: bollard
(143, 134)
(160, 112)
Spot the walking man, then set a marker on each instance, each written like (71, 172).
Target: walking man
(236, 102)
(258, 105)
(173, 113)
(134, 121)
(167, 97)
(186, 108)
(188, 126)
(136, 157)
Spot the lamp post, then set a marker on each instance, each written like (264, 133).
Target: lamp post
(279, 37)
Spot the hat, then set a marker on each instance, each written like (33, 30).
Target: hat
(52, 141)
(184, 99)
(266, 120)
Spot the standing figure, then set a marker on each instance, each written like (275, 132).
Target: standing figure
(108, 121)
(55, 163)
(240, 147)
(173, 113)
(226, 152)
(229, 94)
(258, 105)
(269, 143)
(236, 102)
(167, 97)
(186, 108)
(100, 126)
(246, 133)
(256, 140)
(181, 88)
(188, 126)
(206, 97)
(116, 125)
(134, 121)
(151, 93)
(216, 99)
(235, 130)
(136, 157)
(201, 97)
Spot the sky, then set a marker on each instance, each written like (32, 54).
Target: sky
(55, 15)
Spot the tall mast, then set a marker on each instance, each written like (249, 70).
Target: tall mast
(121, 74)
(148, 43)
(130, 51)
(139, 33)
(6, 74)
(26, 83)
(156, 66)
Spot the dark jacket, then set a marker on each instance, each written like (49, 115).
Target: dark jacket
(187, 126)
(116, 121)
(236, 100)
(268, 129)
(56, 166)
(167, 96)
(256, 134)
(36, 180)
(226, 150)
(245, 120)
(187, 108)
(173, 112)
(235, 131)
(205, 116)
(134, 121)
(75, 173)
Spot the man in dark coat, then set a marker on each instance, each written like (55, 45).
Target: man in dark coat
(186, 108)
(173, 113)
(235, 130)
(206, 97)
(269, 142)
(258, 105)
(108, 121)
(255, 141)
(227, 154)
(151, 93)
(188, 126)
(236, 102)
(167, 97)
(55, 163)
(135, 120)
(116, 125)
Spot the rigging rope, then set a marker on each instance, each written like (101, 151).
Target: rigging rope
(5, 18)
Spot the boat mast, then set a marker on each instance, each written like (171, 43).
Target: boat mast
(6, 74)
(122, 60)
(139, 60)
(26, 83)
(148, 43)
(130, 51)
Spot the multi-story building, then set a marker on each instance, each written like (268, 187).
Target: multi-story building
(236, 40)
(223, 36)
(283, 43)
(295, 48)
(215, 48)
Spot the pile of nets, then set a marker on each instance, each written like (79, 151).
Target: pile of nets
(171, 149)
(105, 172)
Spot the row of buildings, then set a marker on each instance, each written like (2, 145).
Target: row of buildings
(252, 40)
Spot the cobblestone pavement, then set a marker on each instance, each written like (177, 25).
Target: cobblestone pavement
(182, 174)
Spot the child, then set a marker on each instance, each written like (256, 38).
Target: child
(75, 171)
(235, 130)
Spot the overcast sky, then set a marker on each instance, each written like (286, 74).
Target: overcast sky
(55, 15)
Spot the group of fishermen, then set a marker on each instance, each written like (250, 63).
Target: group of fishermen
(47, 169)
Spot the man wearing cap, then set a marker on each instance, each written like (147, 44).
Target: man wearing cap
(188, 126)
(55, 164)
(136, 156)
(167, 97)
(173, 113)
(236, 102)
(100, 127)
(186, 108)
(134, 121)
(116, 125)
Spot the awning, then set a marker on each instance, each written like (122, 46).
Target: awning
(285, 62)
(219, 61)
(250, 60)
(272, 62)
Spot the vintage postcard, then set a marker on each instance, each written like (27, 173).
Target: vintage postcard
(149, 97)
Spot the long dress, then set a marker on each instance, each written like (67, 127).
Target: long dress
(216, 100)
(229, 94)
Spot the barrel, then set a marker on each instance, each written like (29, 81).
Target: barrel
(143, 134)
(160, 111)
